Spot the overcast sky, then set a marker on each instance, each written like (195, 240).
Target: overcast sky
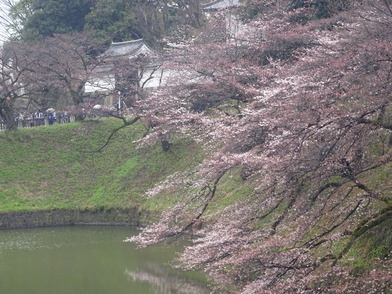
(3, 21)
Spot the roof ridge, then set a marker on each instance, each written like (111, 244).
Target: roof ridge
(128, 42)
(212, 3)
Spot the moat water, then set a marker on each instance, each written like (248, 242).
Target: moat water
(87, 260)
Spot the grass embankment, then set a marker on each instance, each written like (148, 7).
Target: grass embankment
(54, 168)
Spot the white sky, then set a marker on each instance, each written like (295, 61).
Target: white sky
(4, 34)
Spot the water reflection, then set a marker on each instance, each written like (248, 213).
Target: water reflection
(165, 282)
(84, 260)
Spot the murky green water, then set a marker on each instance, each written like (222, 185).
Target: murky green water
(87, 260)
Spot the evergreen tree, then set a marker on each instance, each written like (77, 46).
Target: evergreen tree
(44, 18)
(113, 19)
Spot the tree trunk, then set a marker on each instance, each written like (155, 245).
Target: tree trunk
(165, 145)
(7, 114)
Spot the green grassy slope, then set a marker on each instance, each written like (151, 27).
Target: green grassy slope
(52, 167)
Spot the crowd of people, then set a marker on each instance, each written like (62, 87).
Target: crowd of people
(39, 118)
(52, 117)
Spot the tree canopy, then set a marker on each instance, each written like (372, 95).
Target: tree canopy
(295, 105)
(40, 18)
(116, 20)
(112, 18)
(295, 110)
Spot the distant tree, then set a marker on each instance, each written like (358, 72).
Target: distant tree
(15, 72)
(64, 64)
(311, 9)
(151, 20)
(155, 19)
(112, 20)
(44, 18)
(47, 73)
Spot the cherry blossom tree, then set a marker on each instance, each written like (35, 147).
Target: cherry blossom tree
(64, 64)
(302, 111)
(15, 72)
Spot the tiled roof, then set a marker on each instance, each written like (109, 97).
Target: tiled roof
(129, 48)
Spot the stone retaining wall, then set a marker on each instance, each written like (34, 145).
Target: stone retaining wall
(62, 217)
